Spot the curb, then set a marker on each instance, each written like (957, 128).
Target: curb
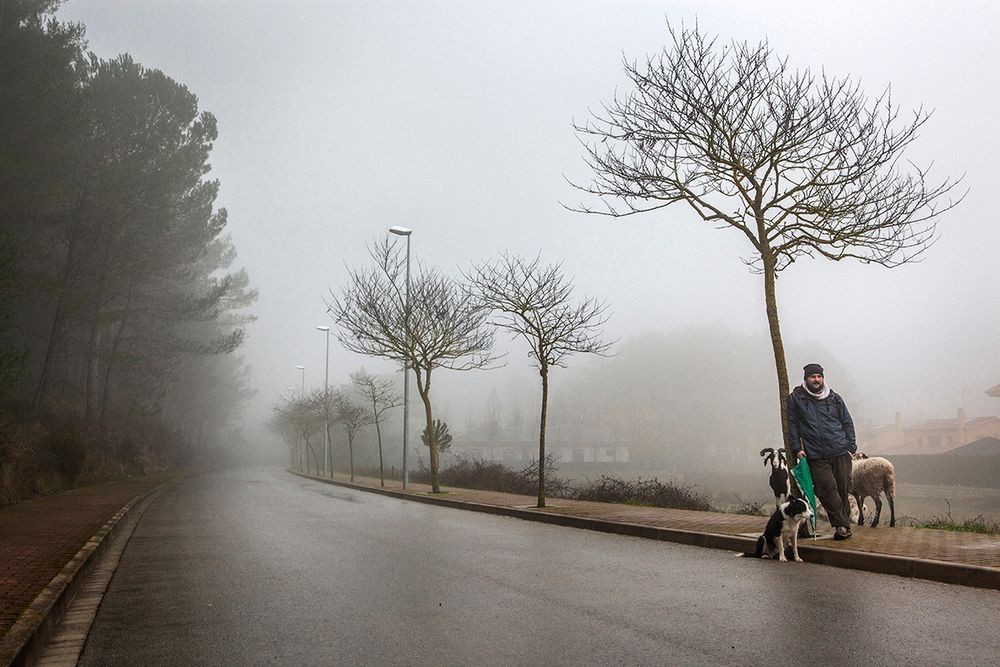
(26, 639)
(975, 576)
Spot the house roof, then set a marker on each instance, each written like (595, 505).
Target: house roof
(932, 424)
(994, 391)
(948, 424)
(988, 446)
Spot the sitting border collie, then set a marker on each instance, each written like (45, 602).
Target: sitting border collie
(782, 529)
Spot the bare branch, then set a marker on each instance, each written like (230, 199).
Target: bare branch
(534, 302)
(799, 164)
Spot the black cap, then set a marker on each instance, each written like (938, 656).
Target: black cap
(812, 369)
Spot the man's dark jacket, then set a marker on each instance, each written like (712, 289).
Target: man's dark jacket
(824, 426)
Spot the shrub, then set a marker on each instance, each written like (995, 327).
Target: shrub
(751, 507)
(651, 492)
(495, 476)
(52, 452)
(980, 524)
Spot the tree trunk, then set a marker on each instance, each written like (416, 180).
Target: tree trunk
(544, 372)
(771, 304)
(94, 353)
(350, 453)
(112, 355)
(59, 317)
(93, 370)
(381, 463)
(311, 450)
(424, 389)
(329, 440)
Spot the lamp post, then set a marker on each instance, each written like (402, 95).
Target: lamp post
(302, 394)
(296, 455)
(326, 407)
(403, 231)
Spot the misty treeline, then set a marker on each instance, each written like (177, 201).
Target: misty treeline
(320, 425)
(695, 401)
(119, 309)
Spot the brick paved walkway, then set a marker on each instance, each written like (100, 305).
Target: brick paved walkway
(38, 537)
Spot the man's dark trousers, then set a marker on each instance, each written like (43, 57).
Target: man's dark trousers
(832, 483)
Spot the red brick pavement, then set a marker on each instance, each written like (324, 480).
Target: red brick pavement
(39, 537)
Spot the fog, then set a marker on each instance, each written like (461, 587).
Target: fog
(338, 120)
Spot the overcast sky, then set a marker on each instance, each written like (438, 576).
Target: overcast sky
(338, 120)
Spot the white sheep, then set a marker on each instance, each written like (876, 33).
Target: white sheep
(872, 477)
(853, 511)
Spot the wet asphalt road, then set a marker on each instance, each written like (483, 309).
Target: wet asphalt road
(247, 567)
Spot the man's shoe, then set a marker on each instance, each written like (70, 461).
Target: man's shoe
(842, 533)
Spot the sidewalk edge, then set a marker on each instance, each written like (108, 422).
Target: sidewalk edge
(975, 576)
(24, 641)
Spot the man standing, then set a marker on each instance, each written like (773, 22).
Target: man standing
(821, 429)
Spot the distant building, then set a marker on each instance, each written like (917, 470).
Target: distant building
(932, 436)
(518, 447)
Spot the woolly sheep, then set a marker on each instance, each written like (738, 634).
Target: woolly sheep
(872, 477)
(853, 511)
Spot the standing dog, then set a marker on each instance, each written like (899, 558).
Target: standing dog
(783, 529)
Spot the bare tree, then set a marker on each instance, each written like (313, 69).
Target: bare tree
(327, 403)
(800, 164)
(303, 417)
(353, 417)
(535, 303)
(381, 392)
(440, 327)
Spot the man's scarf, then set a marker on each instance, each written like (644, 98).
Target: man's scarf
(821, 395)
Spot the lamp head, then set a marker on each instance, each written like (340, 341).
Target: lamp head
(400, 231)
(323, 328)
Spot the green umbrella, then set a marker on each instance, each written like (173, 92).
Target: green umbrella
(805, 480)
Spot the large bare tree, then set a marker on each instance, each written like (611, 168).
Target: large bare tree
(802, 165)
(383, 395)
(535, 303)
(441, 325)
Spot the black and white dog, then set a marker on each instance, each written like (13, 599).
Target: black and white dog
(783, 529)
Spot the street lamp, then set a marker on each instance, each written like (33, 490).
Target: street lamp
(302, 393)
(403, 231)
(326, 406)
